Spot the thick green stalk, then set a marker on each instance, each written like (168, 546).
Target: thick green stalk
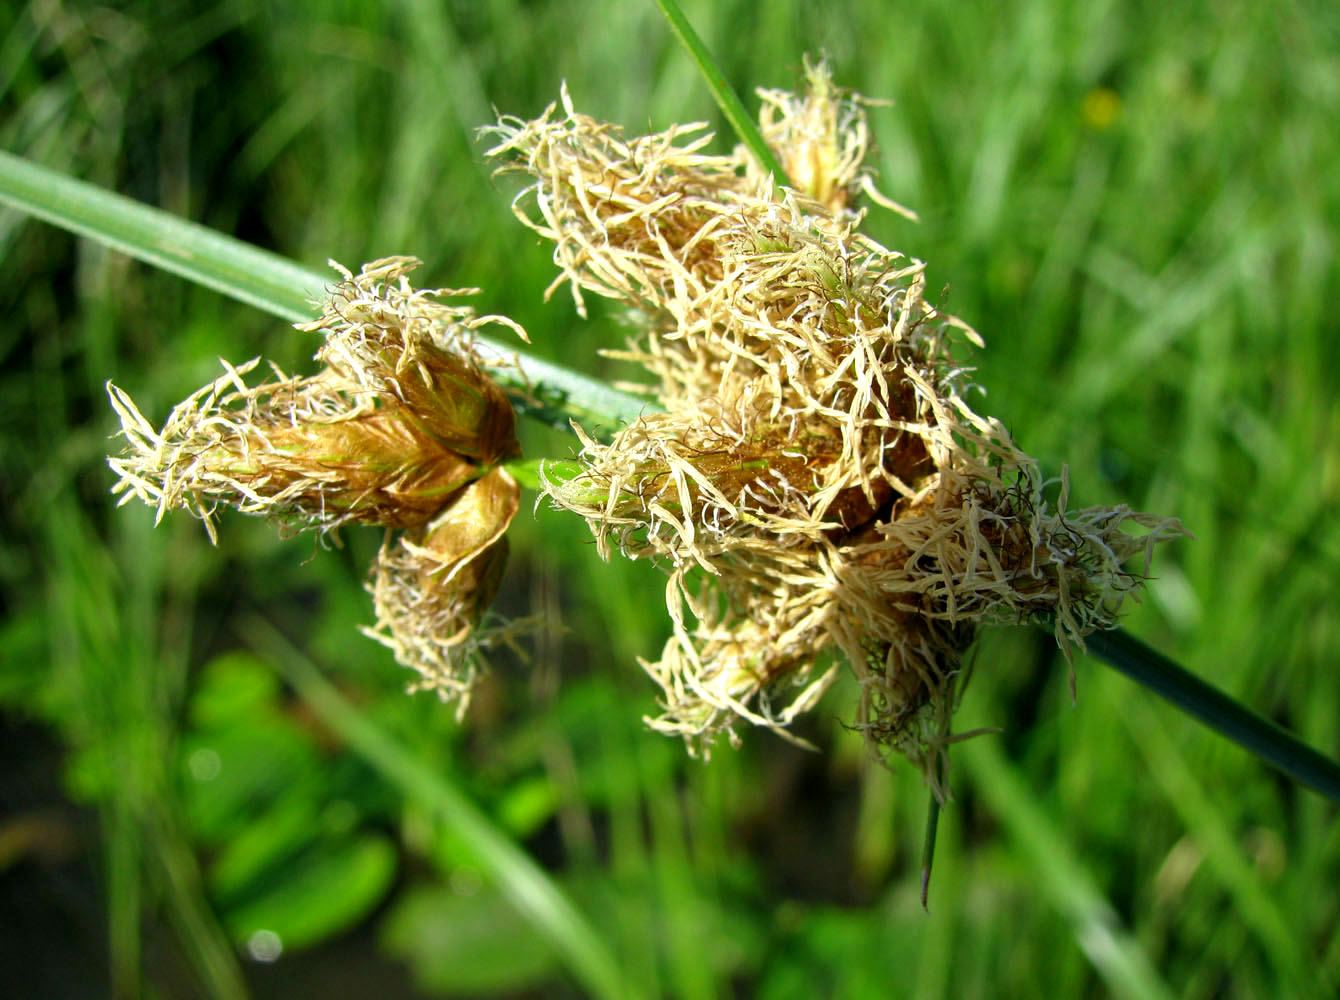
(1274, 745)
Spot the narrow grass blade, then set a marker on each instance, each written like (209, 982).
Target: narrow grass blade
(1248, 886)
(123, 859)
(530, 890)
(1116, 955)
(205, 943)
(726, 99)
(932, 828)
(1215, 709)
(209, 258)
(279, 286)
(119, 685)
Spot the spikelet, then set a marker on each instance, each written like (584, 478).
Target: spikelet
(823, 138)
(431, 586)
(817, 484)
(401, 427)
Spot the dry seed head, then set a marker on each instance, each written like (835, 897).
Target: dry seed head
(620, 212)
(641, 219)
(399, 419)
(401, 428)
(301, 451)
(817, 484)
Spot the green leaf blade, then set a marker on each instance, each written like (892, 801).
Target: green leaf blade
(548, 392)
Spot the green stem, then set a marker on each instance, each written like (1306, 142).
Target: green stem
(726, 98)
(932, 831)
(538, 388)
(1215, 709)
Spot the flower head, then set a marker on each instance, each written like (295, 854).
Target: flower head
(823, 138)
(817, 484)
(401, 427)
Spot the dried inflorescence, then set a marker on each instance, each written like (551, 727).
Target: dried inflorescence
(816, 484)
(401, 428)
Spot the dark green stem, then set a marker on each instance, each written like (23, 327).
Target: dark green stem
(932, 831)
(1270, 742)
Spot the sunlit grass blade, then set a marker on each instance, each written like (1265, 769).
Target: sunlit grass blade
(1217, 710)
(1247, 884)
(1096, 927)
(529, 889)
(725, 96)
(244, 272)
(277, 285)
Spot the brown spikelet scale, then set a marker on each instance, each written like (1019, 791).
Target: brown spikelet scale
(431, 586)
(817, 489)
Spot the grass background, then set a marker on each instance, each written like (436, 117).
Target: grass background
(1135, 203)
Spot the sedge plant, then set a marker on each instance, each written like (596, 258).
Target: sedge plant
(803, 463)
(815, 486)
(806, 422)
(814, 436)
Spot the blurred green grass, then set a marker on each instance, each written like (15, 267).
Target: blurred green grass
(1136, 205)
